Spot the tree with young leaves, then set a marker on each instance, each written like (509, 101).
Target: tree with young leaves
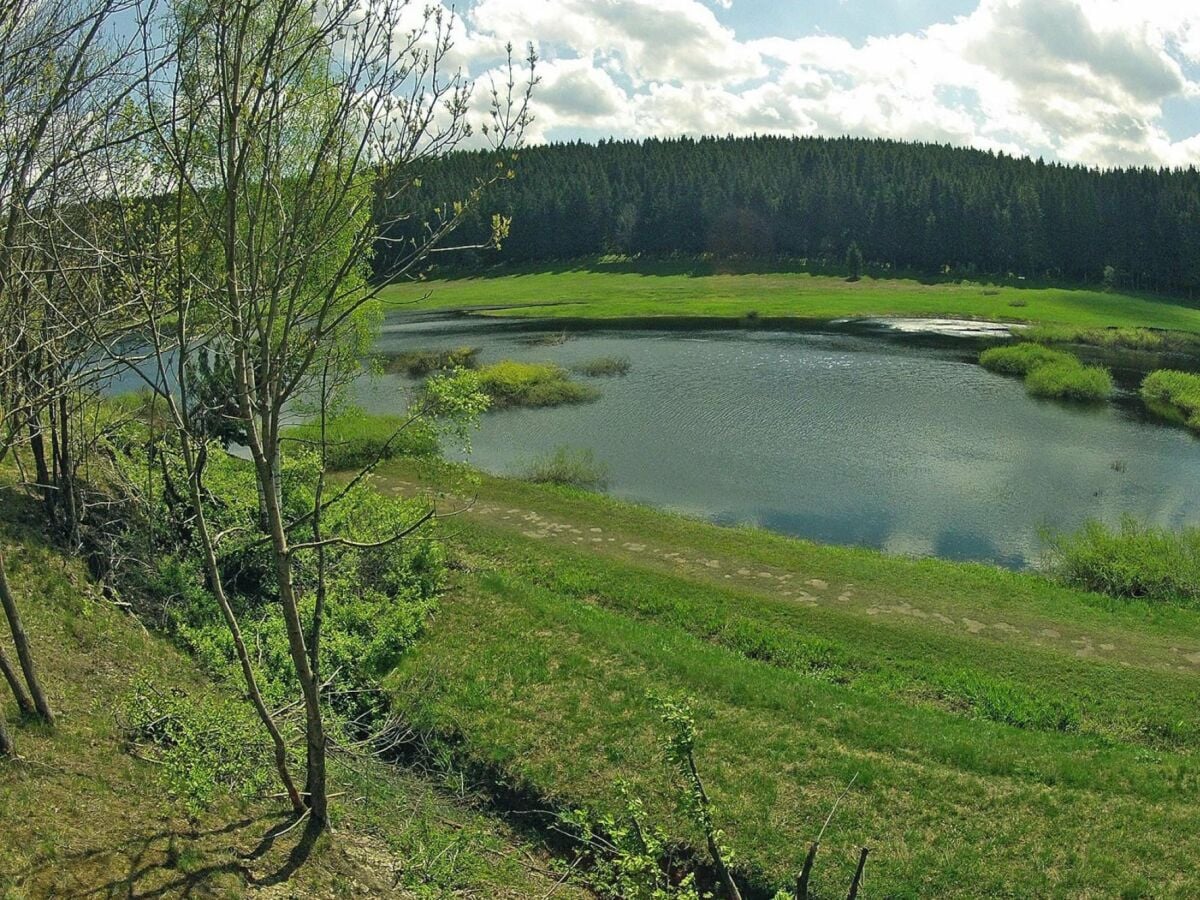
(286, 137)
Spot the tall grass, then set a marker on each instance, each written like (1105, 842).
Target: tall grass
(1050, 373)
(356, 438)
(1174, 394)
(510, 383)
(1148, 339)
(1134, 560)
(1020, 359)
(603, 366)
(1070, 381)
(419, 363)
(570, 468)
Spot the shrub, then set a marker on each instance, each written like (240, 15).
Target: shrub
(204, 745)
(511, 383)
(356, 438)
(572, 468)
(1070, 381)
(1174, 394)
(419, 363)
(603, 366)
(1020, 359)
(1134, 560)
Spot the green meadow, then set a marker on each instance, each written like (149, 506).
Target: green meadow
(1004, 736)
(648, 290)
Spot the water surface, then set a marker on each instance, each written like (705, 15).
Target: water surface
(899, 442)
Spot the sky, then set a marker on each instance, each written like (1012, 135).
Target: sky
(1096, 82)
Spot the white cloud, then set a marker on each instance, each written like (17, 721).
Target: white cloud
(656, 40)
(1078, 80)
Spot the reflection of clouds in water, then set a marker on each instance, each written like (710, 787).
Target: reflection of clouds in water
(900, 543)
(873, 531)
(961, 545)
(836, 437)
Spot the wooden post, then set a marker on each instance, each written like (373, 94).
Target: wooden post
(806, 872)
(862, 864)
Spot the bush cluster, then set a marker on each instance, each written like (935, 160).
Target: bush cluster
(1050, 373)
(419, 363)
(377, 599)
(1132, 561)
(204, 745)
(509, 383)
(1174, 394)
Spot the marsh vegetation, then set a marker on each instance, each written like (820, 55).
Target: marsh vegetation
(568, 467)
(1049, 373)
(1175, 395)
(419, 363)
(510, 383)
(602, 366)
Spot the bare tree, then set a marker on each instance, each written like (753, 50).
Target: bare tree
(284, 143)
(60, 79)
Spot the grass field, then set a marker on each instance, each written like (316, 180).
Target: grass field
(84, 817)
(1010, 738)
(603, 291)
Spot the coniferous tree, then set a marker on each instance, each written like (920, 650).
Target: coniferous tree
(919, 207)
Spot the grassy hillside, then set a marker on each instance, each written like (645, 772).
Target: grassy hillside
(1009, 737)
(82, 816)
(603, 291)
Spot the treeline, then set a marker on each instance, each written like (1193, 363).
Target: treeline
(923, 207)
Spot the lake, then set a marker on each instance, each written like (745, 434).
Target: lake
(849, 434)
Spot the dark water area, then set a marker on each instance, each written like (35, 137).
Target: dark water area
(853, 433)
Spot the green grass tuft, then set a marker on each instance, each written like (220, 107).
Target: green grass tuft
(568, 468)
(1070, 381)
(1174, 394)
(603, 366)
(1134, 561)
(1020, 359)
(510, 383)
(1050, 373)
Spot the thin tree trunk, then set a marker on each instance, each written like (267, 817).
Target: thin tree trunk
(806, 872)
(18, 689)
(6, 746)
(714, 850)
(218, 589)
(21, 642)
(858, 874)
(67, 485)
(314, 638)
(37, 447)
(314, 730)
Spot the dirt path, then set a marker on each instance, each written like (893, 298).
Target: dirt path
(587, 532)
